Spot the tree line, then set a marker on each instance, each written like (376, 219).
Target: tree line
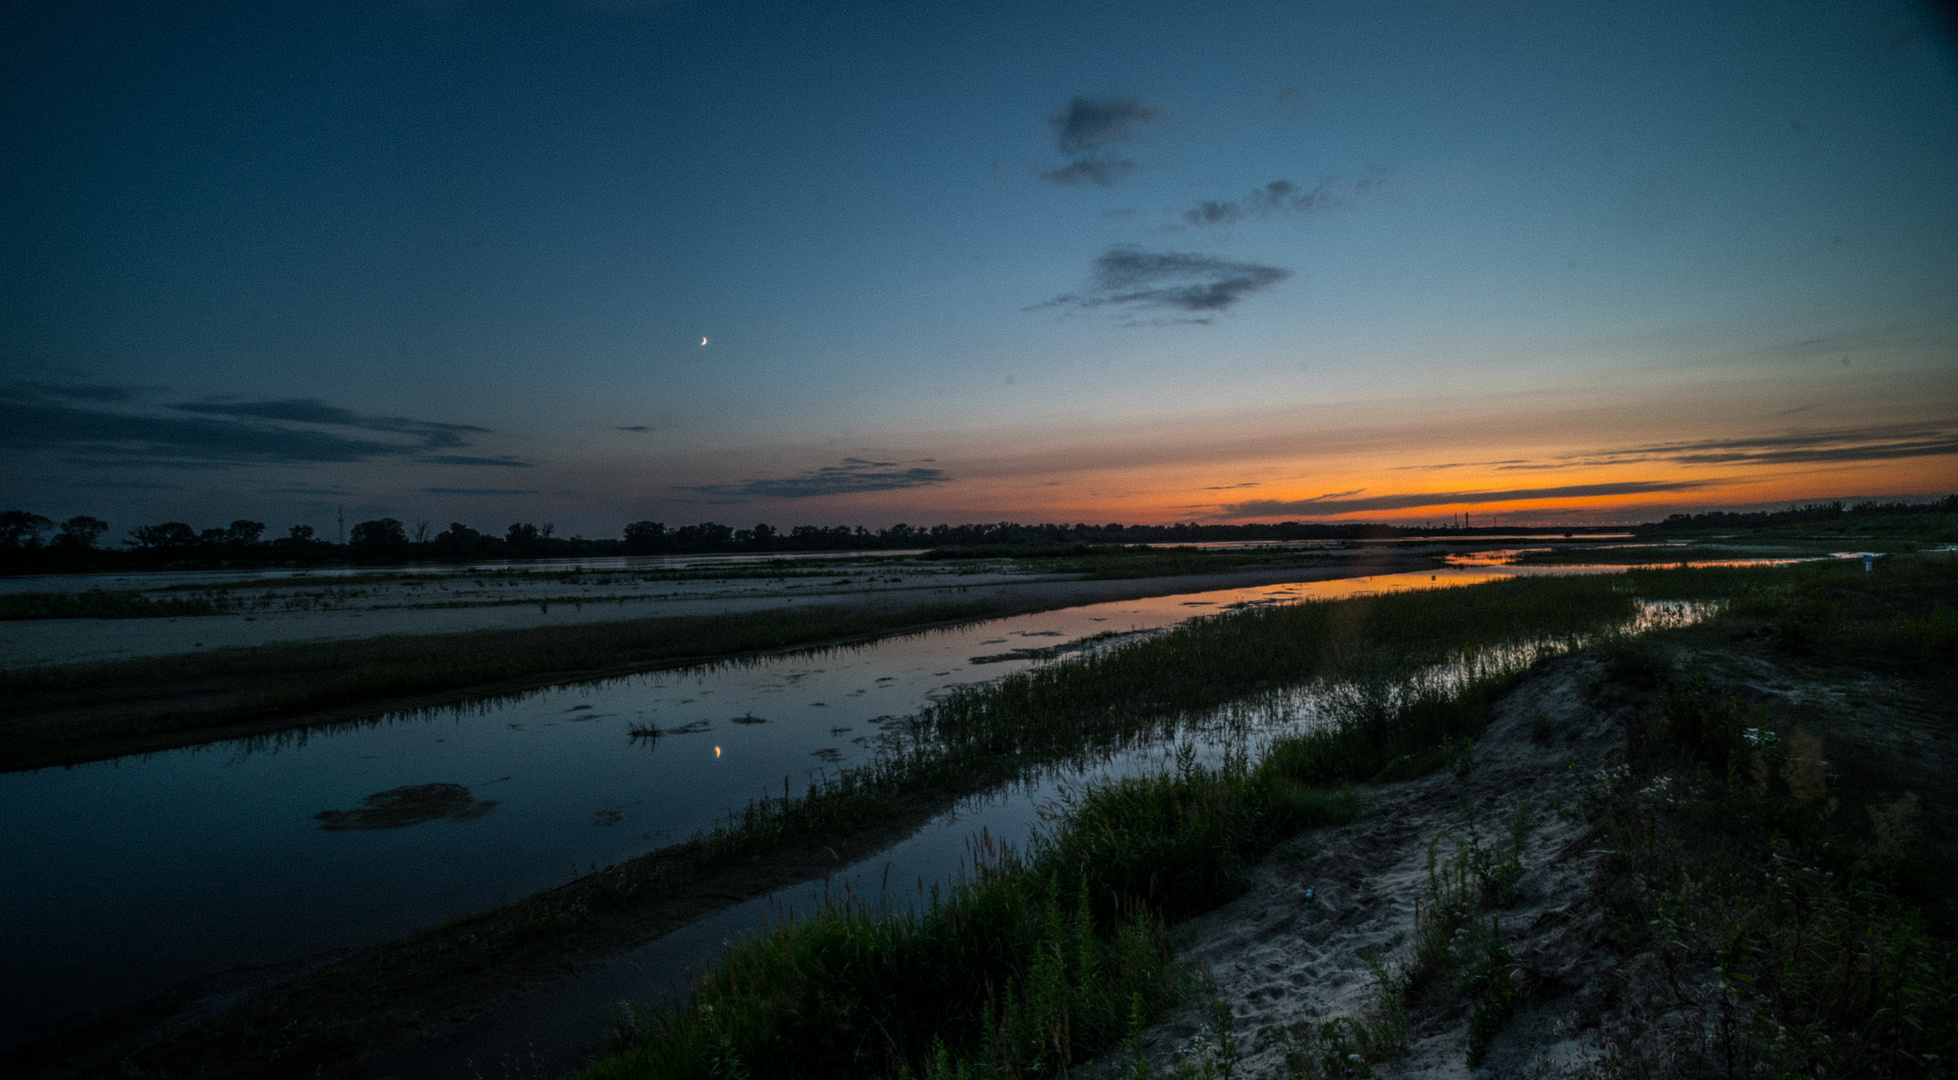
(1805, 514)
(30, 542)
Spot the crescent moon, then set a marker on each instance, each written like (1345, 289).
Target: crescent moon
(703, 341)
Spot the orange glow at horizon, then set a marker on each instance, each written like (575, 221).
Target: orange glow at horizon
(1406, 494)
(1556, 453)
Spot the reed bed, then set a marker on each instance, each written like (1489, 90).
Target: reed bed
(1039, 961)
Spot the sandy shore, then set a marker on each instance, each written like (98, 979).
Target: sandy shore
(1293, 948)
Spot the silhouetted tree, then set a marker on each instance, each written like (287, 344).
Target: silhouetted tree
(376, 539)
(706, 536)
(243, 533)
(21, 530)
(644, 537)
(458, 541)
(167, 536)
(80, 533)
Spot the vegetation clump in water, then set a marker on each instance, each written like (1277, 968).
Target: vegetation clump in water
(415, 804)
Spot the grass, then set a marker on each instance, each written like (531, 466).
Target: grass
(1033, 966)
(1106, 697)
(1774, 860)
(1009, 971)
(1060, 962)
(1818, 961)
(1667, 555)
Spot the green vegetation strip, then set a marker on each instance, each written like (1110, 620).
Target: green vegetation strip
(1775, 861)
(1040, 962)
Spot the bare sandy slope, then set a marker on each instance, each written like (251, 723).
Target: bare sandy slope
(1282, 957)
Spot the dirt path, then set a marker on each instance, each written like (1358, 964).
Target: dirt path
(1294, 947)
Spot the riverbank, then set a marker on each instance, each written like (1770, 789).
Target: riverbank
(65, 714)
(1647, 864)
(1726, 850)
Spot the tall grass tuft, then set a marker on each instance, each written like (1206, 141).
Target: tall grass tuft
(1005, 974)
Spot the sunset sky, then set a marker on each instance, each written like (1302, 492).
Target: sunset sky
(595, 261)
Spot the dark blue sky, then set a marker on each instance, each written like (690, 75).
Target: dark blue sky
(456, 261)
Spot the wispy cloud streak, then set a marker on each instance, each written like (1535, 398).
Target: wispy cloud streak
(853, 476)
(1088, 129)
(1128, 277)
(1095, 171)
(1282, 197)
(222, 434)
(1836, 446)
(1354, 501)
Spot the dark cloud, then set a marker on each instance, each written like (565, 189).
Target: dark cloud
(1282, 197)
(178, 464)
(218, 434)
(463, 459)
(311, 411)
(1352, 501)
(1091, 124)
(1837, 446)
(1138, 280)
(40, 426)
(852, 476)
(1087, 130)
(1214, 213)
(635, 427)
(1096, 171)
(477, 491)
(1867, 444)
